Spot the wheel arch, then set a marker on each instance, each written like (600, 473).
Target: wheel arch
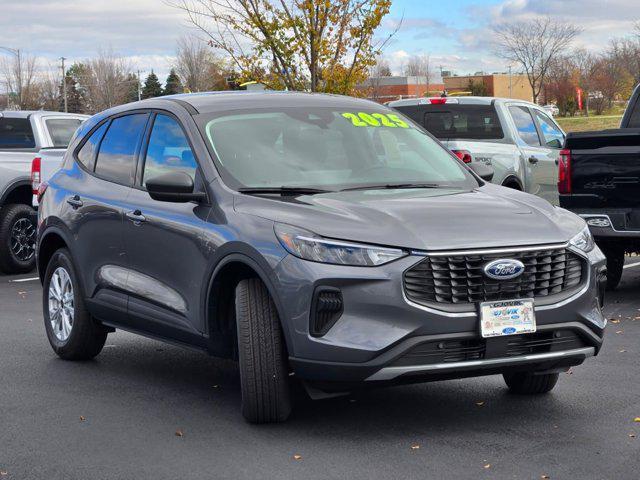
(219, 304)
(51, 240)
(18, 192)
(511, 181)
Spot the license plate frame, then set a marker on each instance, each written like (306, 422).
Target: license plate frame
(507, 317)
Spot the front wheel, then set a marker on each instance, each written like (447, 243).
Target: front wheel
(71, 331)
(524, 383)
(264, 373)
(17, 239)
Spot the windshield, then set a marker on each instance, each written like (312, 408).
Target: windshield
(329, 149)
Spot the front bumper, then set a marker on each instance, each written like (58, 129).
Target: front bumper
(382, 337)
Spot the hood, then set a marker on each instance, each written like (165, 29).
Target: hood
(423, 219)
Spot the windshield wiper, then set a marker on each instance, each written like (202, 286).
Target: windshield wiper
(391, 186)
(284, 190)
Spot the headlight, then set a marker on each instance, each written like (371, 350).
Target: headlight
(309, 246)
(584, 240)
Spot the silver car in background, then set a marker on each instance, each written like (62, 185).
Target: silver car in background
(519, 139)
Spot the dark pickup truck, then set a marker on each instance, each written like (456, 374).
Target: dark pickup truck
(599, 179)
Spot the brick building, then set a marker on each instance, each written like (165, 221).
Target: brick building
(495, 85)
(385, 89)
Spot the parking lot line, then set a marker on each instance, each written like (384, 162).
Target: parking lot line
(20, 280)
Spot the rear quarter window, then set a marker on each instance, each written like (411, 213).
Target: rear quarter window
(16, 133)
(453, 121)
(634, 118)
(61, 130)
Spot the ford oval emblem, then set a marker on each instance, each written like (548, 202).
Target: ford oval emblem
(504, 269)
(508, 330)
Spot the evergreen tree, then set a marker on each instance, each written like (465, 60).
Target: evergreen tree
(173, 84)
(152, 87)
(76, 95)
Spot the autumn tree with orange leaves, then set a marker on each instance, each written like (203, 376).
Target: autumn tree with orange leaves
(312, 45)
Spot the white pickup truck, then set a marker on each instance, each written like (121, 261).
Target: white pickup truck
(518, 139)
(25, 136)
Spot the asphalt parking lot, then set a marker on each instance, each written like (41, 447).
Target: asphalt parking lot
(144, 409)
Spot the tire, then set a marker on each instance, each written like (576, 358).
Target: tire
(80, 338)
(530, 384)
(615, 264)
(264, 373)
(17, 239)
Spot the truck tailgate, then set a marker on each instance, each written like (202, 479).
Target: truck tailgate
(605, 168)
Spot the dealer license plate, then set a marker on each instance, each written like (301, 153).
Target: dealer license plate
(508, 317)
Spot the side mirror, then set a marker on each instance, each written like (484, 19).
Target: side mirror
(555, 143)
(173, 187)
(485, 172)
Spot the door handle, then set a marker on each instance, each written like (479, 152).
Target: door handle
(75, 201)
(136, 217)
(533, 160)
(557, 162)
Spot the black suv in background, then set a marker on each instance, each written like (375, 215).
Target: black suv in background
(323, 236)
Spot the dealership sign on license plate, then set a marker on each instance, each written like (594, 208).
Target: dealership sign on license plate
(509, 317)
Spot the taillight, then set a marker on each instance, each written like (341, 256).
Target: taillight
(41, 189)
(463, 155)
(564, 172)
(36, 176)
(438, 100)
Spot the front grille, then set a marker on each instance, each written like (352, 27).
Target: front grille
(448, 351)
(459, 279)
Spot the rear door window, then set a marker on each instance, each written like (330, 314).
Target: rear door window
(525, 125)
(61, 130)
(16, 133)
(118, 151)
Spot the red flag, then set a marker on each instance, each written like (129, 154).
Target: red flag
(579, 92)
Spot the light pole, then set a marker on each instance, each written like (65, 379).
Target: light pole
(16, 52)
(64, 85)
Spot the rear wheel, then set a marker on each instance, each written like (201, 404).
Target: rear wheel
(71, 331)
(524, 383)
(262, 355)
(17, 239)
(615, 264)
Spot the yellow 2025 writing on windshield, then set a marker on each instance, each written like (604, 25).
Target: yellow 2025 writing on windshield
(363, 119)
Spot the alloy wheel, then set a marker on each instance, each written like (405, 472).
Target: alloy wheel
(23, 239)
(61, 308)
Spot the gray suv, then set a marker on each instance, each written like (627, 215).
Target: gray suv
(321, 238)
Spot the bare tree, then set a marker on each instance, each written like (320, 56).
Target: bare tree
(49, 86)
(420, 66)
(198, 68)
(534, 44)
(106, 80)
(377, 72)
(19, 72)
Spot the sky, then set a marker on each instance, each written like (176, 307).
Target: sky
(454, 33)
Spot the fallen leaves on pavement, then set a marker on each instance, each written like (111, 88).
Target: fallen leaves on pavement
(415, 447)
(82, 419)
(179, 433)
(297, 457)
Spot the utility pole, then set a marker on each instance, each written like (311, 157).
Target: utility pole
(139, 87)
(64, 85)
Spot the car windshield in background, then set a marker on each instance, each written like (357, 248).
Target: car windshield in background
(329, 149)
(16, 133)
(452, 121)
(61, 130)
